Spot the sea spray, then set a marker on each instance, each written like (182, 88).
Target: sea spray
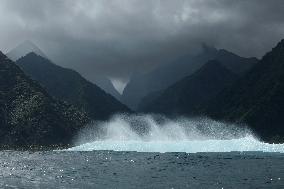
(155, 133)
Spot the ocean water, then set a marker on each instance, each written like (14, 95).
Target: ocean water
(111, 169)
(144, 151)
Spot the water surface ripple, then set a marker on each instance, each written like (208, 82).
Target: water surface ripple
(109, 169)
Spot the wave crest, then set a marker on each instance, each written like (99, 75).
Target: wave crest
(154, 133)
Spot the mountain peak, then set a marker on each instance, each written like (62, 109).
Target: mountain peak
(213, 63)
(213, 66)
(280, 45)
(1, 54)
(208, 48)
(32, 54)
(23, 49)
(183, 97)
(223, 51)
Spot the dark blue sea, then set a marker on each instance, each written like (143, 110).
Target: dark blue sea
(110, 169)
(140, 152)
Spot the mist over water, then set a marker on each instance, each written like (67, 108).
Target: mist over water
(154, 133)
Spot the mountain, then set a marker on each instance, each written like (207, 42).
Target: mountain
(257, 99)
(28, 115)
(68, 85)
(28, 47)
(141, 85)
(105, 84)
(23, 49)
(184, 96)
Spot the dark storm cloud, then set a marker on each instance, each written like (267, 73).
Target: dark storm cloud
(117, 37)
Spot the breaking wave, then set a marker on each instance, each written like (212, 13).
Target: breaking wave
(153, 133)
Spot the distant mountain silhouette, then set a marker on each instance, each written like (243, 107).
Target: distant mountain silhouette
(257, 98)
(68, 85)
(28, 115)
(23, 49)
(105, 84)
(184, 96)
(163, 77)
(29, 47)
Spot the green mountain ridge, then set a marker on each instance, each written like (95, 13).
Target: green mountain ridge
(68, 85)
(161, 78)
(257, 99)
(29, 115)
(186, 95)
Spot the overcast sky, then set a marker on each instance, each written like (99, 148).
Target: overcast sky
(117, 37)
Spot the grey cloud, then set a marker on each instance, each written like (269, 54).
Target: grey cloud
(117, 37)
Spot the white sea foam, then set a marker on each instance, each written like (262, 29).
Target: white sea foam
(146, 133)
